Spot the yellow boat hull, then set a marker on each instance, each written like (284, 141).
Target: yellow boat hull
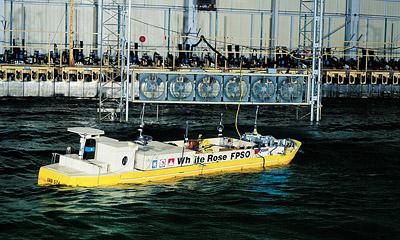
(49, 175)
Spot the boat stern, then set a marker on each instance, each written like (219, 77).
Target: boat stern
(55, 174)
(49, 176)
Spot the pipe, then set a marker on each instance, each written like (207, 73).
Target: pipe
(71, 33)
(128, 39)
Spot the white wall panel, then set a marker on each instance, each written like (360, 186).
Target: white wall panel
(264, 4)
(248, 4)
(84, 26)
(283, 31)
(337, 39)
(364, 31)
(154, 33)
(239, 20)
(205, 26)
(393, 8)
(266, 32)
(372, 7)
(289, 5)
(335, 6)
(163, 2)
(235, 26)
(255, 31)
(396, 32)
(376, 32)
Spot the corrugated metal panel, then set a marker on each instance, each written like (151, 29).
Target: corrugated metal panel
(363, 31)
(161, 2)
(289, 5)
(337, 38)
(248, 4)
(266, 32)
(372, 7)
(155, 36)
(255, 30)
(45, 23)
(335, 6)
(284, 31)
(237, 28)
(375, 32)
(295, 33)
(264, 4)
(84, 27)
(49, 17)
(393, 8)
(206, 27)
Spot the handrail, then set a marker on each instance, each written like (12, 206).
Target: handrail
(55, 158)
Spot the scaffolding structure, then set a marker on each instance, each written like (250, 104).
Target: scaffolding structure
(311, 22)
(306, 21)
(317, 44)
(114, 36)
(113, 85)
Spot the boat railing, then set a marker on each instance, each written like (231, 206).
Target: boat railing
(55, 158)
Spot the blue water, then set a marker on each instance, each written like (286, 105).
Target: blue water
(343, 185)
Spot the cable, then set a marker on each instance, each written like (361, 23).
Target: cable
(59, 24)
(238, 108)
(208, 44)
(263, 158)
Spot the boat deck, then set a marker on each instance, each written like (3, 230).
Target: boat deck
(65, 170)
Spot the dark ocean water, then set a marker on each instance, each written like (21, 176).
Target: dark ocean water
(344, 185)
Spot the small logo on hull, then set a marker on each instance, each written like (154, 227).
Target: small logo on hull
(154, 164)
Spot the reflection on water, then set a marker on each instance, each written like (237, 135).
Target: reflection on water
(274, 181)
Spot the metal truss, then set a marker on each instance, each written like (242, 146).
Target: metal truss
(311, 17)
(113, 42)
(317, 44)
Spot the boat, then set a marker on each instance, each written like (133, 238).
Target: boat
(104, 161)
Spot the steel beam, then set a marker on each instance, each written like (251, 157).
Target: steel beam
(169, 30)
(274, 24)
(127, 73)
(11, 21)
(261, 30)
(71, 33)
(23, 21)
(66, 27)
(190, 21)
(251, 29)
(352, 26)
(3, 23)
(98, 10)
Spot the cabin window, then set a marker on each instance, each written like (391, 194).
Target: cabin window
(124, 160)
(90, 149)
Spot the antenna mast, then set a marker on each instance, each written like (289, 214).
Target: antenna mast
(255, 121)
(220, 127)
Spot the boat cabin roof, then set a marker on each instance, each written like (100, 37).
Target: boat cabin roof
(155, 147)
(86, 131)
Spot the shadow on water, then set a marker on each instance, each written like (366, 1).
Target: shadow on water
(344, 184)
